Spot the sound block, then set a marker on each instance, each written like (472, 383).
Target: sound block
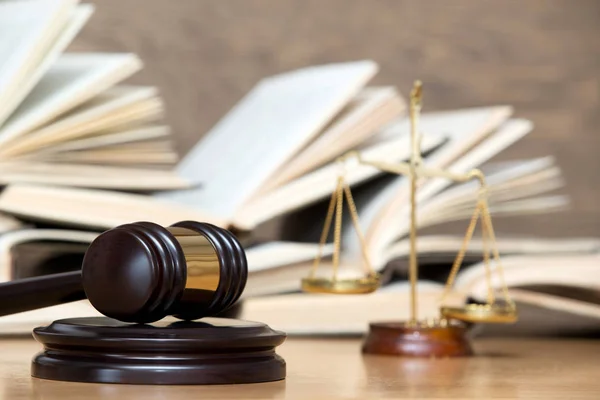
(418, 340)
(209, 351)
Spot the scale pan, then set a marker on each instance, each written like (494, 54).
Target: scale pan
(482, 313)
(367, 284)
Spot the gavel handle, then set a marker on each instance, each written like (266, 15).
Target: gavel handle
(39, 292)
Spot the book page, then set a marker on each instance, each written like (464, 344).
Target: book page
(152, 155)
(72, 80)
(94, 209)
(280, 279)
(267, 256)
(77, 19)
(131, 155)
(8, 223)
(502, 179)
(320, 183)
(527, 206)
(28, 30)
(384, 234)
(558, 303)
(108, 138)
(546, 315)
(459, 129)
(447, 246)
(564, 270)
(287, 278)
(463, 129)
(91, 176)
(116, 106)
(260, 134)
(318, 314)
(367, 114)
(517, 185)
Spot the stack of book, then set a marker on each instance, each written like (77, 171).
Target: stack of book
(80, 153)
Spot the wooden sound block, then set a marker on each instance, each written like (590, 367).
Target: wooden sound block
(418, 340)
(209, 351)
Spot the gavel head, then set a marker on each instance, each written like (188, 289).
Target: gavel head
(142, 272)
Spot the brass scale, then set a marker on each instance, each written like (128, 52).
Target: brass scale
(492, 311)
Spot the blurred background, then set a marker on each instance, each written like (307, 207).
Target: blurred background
(541, 56)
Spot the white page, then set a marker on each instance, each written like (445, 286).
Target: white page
(462, 128)
(499, 174)
(320, 183)
(277, 118)
(93, 176)
(79, 16)
(459, 127)
(373, 108)
(578, 271)
(83, 120)
(8, 223)
(27, 31)
(386, 233)
(280, 253)
(72, 80)
(141, 133)
(94, 209)
(445, 244)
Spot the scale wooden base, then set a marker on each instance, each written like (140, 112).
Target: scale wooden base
(211, 351)
(434, 340)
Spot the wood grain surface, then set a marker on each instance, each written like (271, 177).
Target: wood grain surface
(336, 369)
(542, 56)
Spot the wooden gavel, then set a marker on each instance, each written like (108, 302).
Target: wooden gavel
(142, 272)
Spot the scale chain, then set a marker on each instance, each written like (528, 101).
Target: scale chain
(337, 233)
(356, 222)
(461, 255)
(325, 231)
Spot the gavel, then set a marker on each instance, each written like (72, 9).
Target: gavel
(142, 272)
(136, 274)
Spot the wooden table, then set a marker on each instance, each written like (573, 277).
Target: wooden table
(335, 369)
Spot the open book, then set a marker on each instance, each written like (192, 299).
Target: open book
(479, 132)
(275, 269)
(555, 299)
(516, 188)
(273, 153)
(563, 300)
(68, 118)
(34, 252)
(308, 116)
(82, 152)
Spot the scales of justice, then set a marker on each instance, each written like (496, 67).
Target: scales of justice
(439, 337)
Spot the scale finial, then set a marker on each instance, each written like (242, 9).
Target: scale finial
(416, 94)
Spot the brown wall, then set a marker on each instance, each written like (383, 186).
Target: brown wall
(542, 56)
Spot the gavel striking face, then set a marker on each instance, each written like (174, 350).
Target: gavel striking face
(142, 272)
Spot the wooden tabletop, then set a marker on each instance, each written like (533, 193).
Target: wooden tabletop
(335, 369)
